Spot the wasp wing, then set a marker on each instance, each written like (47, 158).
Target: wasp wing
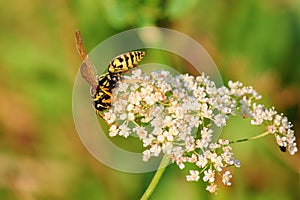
(88, 72)
(87, 69)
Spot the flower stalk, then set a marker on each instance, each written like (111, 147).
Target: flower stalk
(155, 180)
(252, 138)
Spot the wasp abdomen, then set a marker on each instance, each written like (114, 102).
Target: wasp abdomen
(125, 61)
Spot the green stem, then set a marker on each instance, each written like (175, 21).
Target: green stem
(162, 167)
(253, 138)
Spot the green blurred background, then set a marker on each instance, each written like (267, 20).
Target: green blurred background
(41, 156)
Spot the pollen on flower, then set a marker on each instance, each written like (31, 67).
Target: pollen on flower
(173, 115)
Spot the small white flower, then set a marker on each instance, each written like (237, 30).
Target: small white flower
(122, 87)
(189, 143)
(157, 122)
(282, 130)
(155, 149)
(218, 163)
(220, 120)
(292, 149)
(228, 157)
(168, 121)
(168, 136)
(118, 106)
(148, 140)
(194, 176)
(160, 138)
(141, 132)
(193, 158)
(205, 111)
(209, 176)
(212, 188)
(113, 131)
(202, 161)
(195, 121)
(277, 120)
(177, 152)
(123, 116)
(131, 116)
(124, 130)
(136, 73)
(130, 107)
(109, 117)
(223, 142)
(173, 131)
(226, 178)
(271, 129)
(157, 131)
(146, 155)
(180, 162)
(167, 147)
(206, 133)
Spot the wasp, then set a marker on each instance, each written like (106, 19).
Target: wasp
(101, 86)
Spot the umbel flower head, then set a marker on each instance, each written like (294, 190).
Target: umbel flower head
(172, 115)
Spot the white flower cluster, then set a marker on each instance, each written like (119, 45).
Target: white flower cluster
(277, 124)
(172, 115)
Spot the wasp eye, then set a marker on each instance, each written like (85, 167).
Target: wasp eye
(92, 91)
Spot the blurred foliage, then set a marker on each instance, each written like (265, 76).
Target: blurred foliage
(41, 157)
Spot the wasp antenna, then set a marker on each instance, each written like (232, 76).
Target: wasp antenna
(79, 45)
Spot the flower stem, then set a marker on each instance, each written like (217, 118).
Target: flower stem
(162, 167)
(252, 138)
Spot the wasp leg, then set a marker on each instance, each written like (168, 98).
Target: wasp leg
(107, 92)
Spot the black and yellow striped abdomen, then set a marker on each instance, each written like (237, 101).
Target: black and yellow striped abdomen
(125, 61)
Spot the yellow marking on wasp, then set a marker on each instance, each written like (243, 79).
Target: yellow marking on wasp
(102, 92)
(125, 61)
